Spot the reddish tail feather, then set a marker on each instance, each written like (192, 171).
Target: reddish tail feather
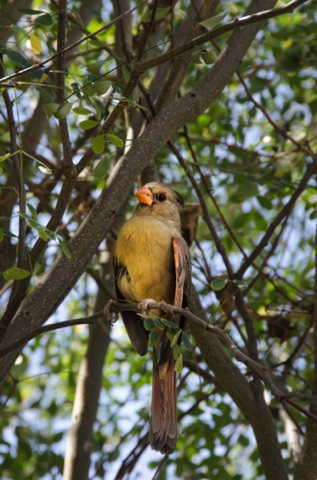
(163, 427)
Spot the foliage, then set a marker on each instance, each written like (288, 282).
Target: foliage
(72, 109)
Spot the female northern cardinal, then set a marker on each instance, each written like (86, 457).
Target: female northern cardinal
(152, 262)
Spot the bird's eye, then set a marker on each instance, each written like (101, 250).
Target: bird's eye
(161, 197)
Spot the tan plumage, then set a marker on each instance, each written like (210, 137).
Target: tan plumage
(152, 261)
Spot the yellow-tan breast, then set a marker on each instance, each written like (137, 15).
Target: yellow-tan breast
(144, 248)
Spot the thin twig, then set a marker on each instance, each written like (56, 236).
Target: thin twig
(70, 47)
(50, 328)
(206, 37)
(277, 221)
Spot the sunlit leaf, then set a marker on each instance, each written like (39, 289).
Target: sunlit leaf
(214, 21)
(16, 273)
(117, 141)
(35, 44)
(4, 157)
(88, 124)
(98, 144)
(82, 111)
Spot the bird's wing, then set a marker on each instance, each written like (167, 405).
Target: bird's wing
(182, 267)
(182, 272)
(133, 323)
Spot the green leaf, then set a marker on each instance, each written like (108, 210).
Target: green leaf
(186, 341)
(148, 324)
(264, 202)
(101, 87)
(170, 336)
(212, 22)
(176, 338)
(88, 124)
(44, 20)
(179, 364)
(17, 59)
(4, 157)
(158, 323)
(98, 144)
(64, 248)
(15, 28)
(1, 234)
(117, 141)
(153, 338)
(16, 273)
(218, 284)
(208, 57)
(32, 210)
(63, 111)
(50, 109)
(176, 352)
(82, 111)
(101, 170)
(169, 323)
(50, 234)
(42, 235)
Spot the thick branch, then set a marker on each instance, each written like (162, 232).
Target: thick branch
(42, 302)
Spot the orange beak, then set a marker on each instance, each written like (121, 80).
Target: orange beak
(144, 195)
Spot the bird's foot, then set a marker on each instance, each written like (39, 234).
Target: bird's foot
(110, 316)
(146, 304)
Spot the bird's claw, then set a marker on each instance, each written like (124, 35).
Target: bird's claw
(145, 305)
(112, 318)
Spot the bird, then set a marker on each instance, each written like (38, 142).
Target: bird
(152, 261)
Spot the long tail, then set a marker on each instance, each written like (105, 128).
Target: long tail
(163, 427)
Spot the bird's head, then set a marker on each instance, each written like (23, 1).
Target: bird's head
(160, 200)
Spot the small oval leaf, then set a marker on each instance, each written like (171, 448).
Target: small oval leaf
(45, 20)
(63, 111)
(50, 109)
(218, 284)
(88, 124)
(82, 111)
(101, 87)
(101, 170)
(148, 324)
(16, 273)
(117, 141)
(98, 144)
